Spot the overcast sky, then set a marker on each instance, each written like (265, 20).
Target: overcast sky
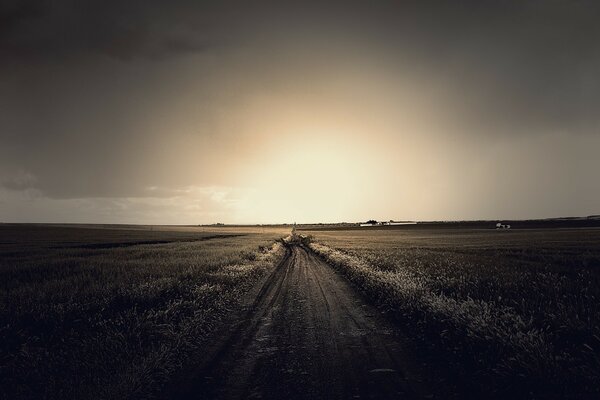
(253, 112)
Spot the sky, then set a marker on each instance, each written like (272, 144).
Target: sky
(193, 112)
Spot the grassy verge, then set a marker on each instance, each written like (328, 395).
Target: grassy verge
(519, 322)
(117, 321)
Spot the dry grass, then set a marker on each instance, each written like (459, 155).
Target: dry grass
(516, 311)
(88, 313)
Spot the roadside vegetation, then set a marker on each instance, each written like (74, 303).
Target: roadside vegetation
(104, 314)
(513, 313)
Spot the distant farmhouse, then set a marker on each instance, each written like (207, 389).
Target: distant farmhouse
(372, 222)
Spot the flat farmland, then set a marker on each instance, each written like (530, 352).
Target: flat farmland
(503, 313)
(231, 312)
(93, 312)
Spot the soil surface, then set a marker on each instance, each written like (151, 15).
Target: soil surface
(307, 335)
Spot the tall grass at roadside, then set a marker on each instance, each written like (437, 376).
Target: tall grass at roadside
(116, 322)
(520, 318)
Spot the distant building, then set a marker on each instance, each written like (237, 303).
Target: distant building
(386, 223)
(370, 222)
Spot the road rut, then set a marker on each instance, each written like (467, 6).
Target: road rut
(308, 335)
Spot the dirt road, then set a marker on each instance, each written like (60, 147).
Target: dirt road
(308, 335)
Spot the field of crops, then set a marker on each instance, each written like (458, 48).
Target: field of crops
(510, 312)
(115, 313)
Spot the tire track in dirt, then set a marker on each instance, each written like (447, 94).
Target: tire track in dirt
(308, 335)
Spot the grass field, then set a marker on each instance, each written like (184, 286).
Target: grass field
(119, 311)
(115, 313)
(513, 312)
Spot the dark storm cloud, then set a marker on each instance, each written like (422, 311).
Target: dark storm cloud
(39, 30)
(534, 63)
(527, 65)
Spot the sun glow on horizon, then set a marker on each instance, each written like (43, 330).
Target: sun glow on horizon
(307, 177)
